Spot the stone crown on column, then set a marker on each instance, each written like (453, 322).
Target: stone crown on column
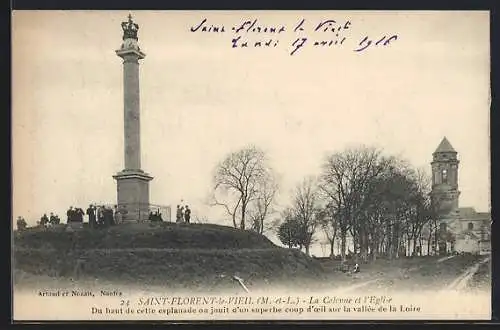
(130, 29)
(130, 39)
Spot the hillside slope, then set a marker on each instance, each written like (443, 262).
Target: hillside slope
(195, 255)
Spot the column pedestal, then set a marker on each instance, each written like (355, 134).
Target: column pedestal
(133, 194)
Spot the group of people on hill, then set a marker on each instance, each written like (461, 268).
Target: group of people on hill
(183, 214)
(100, 216)
(21, 223)
(74, 214)
(103, 216)
(52, 220)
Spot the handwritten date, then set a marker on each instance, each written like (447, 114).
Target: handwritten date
(329, 33)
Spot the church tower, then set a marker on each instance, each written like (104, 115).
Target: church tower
(445, 191)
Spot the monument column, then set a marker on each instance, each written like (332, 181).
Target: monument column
(131, 109)
(132, 182)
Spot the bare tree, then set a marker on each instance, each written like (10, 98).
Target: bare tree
(395, 211)
(329, 225)
(422, 210)
(238, 181)
(272, 226)
(262, 206)
(380, 201)
(306, 209)
(347, 183)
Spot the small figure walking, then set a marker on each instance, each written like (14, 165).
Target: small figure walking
(356, 268)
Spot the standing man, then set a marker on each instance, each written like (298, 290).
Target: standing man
(92, 216)
(182, 215)
(79, 215)
(118, 215)
(52, 219)
(100, 215)
(69, 213)
(187, 214)
(110, 216)
(108, 219)
(44, 220)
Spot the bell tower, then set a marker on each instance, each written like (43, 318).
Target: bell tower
(445, 191)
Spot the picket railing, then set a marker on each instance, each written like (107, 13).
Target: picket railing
(145, 212)
(140, 211)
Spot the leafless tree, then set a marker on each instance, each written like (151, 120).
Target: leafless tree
(238, 181)
(347, 183)
(330, 226)
(272, 226)
(398, 210)
(307, 209)
(421, 212)
(262, 206)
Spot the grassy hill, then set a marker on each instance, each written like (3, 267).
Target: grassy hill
(144, 235)
(166, 254)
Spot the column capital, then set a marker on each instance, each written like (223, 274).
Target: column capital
(130, 53)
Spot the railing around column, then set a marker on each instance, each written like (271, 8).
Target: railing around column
(144, 212)
(136, 211)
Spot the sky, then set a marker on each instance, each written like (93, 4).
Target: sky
(201, 99)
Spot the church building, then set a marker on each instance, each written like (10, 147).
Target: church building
(461, 229)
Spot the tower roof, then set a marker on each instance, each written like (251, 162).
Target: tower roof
(445, 146)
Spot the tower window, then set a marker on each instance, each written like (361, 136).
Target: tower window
(470, 226)
(444, 176)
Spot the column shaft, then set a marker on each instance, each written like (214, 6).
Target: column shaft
(132, 112)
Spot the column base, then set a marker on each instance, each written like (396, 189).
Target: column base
(133, 195)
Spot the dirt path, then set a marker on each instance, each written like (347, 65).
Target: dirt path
(411, 275)
(461, 282)
(446, 258)
(371, 277)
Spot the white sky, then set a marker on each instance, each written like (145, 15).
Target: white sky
(201, 99)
